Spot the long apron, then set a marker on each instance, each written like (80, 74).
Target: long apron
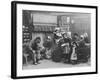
(73, 55)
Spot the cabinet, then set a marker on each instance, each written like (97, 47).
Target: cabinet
(26, 34)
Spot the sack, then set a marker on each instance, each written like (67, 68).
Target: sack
(48, 54)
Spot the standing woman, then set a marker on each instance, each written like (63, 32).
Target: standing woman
(66, 46)
(57, 35)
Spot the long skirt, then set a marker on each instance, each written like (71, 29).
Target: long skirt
(57, 54)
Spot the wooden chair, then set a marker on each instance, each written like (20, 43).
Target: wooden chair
(26, 57)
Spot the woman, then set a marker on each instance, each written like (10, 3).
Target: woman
(83, 49)
(57, 35)
(66, 46)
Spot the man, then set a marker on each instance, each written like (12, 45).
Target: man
(35, 47)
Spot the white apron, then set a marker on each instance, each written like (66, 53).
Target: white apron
(73, 55)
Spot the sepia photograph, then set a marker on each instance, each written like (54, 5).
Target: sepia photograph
(53, 39)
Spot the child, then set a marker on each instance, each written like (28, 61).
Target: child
(74, 53)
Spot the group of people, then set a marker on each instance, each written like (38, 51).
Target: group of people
(71, 48)
(63, 47)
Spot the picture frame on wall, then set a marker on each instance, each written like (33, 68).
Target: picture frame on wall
(51, 39)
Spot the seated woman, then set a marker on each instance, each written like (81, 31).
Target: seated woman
(62, 50)
(83, 50)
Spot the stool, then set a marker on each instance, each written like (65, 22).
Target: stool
(26, 57)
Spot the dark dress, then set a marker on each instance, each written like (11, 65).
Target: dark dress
(68, 55)
(83, 52)
(57, 52)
